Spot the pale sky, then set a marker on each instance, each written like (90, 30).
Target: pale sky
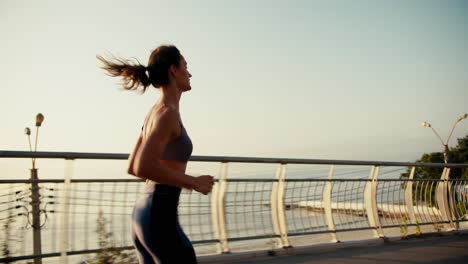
(293, 79)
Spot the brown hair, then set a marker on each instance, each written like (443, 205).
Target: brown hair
(134, 74)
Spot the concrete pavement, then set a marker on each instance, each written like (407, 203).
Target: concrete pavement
(434, 249)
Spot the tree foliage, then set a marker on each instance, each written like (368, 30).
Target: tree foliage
(458, 154)
(425, 191)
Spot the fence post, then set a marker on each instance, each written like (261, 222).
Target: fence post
(409, 197)
(370, 203)
(217, 209)
(65, 211)
(443, 201)
(277, 207)
(327, 193)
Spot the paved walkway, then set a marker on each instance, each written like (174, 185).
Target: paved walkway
(446, 249)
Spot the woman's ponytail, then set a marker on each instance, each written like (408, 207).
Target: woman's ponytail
(133, 74)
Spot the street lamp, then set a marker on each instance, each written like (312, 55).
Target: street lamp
(445, 144)
(35, 194)
(27, 132)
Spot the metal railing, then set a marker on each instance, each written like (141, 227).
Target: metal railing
(320, 202)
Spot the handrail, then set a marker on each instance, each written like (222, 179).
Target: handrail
(123, 156)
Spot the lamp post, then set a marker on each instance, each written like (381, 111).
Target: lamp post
(444, 197)
(445, 144)
(35, 195)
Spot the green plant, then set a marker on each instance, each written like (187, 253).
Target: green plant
(417, 233)
(404, 227)
(109, 253)
(462, 212)
(6, 243)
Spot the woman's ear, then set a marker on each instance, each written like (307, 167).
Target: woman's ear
(172, 70)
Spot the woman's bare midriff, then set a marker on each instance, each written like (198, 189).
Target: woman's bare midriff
(172, 164)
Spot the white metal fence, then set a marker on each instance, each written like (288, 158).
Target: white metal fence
(43, 219)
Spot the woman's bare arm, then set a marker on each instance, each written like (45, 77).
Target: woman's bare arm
(131, 159)
(145, 159)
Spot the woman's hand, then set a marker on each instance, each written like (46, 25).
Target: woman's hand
(203, 184)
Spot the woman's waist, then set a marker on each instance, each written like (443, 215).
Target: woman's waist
(163, 189)
(153, 186)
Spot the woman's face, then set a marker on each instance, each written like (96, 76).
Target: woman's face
(182, 75)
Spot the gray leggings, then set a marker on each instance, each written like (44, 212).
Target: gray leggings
(156, 233)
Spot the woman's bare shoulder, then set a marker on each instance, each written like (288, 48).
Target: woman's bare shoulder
(166, 113)
(165, 116)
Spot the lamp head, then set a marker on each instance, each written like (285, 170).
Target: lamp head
(39, 119)
(425, 124)
(462, 117)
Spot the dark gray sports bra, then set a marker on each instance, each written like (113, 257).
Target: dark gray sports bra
(179, 149)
